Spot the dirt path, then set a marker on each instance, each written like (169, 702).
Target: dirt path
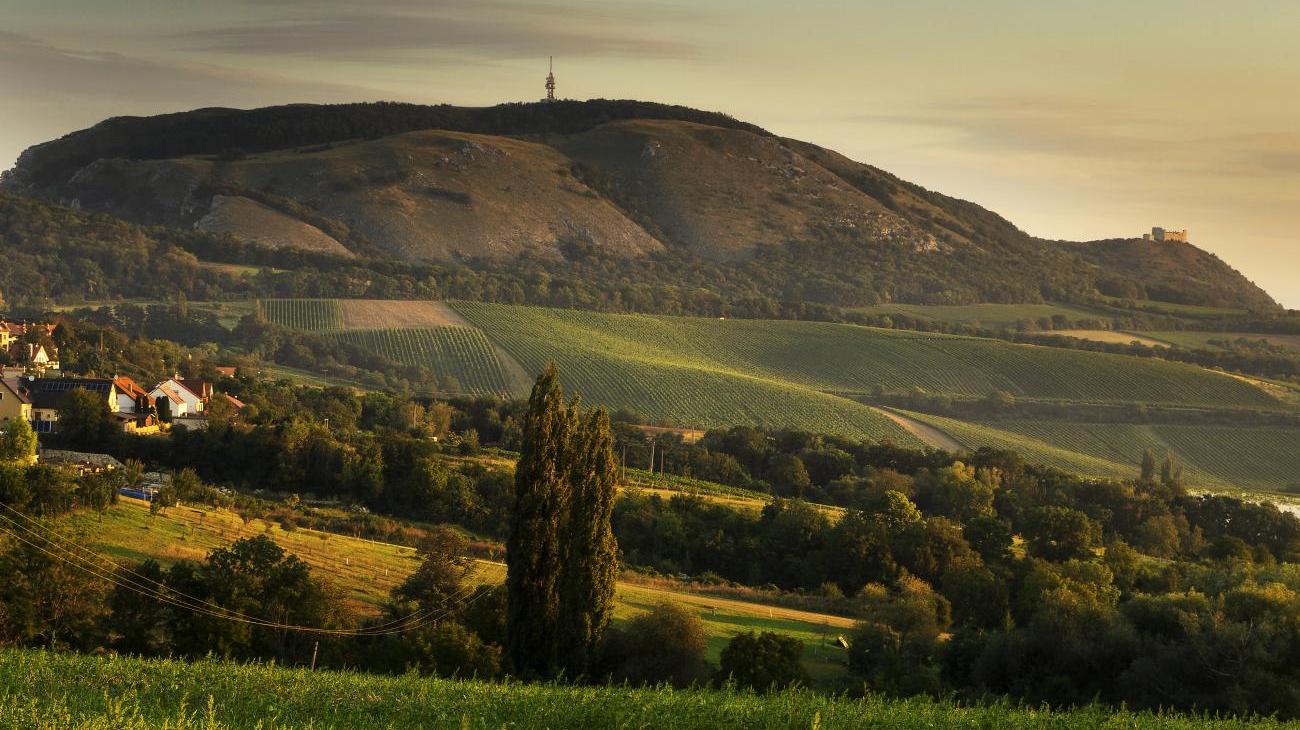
(924, 431)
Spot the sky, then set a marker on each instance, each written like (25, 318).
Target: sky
(1075, 119)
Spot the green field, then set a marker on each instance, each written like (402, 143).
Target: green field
(47, 691)
(1264, 458)
(464, 353)
(607, 350)
(992, 316)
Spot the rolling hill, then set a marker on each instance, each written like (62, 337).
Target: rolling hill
(703, 372)
(849, 359)
(678, 188)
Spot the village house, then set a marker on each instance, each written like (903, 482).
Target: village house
(135, 409)
(183, 397)
(14, 402)
(47, 396)
(22, 351)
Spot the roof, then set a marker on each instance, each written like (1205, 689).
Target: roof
(237, 403)
(170, 392)
(195, 386)
(13, 386)
(129, 387)
(48, 393)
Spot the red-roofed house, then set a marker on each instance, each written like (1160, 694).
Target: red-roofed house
(185, 396)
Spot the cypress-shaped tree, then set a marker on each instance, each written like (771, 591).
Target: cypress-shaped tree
(591, 552)
(1148, 475)
(534, 549)
(1171, 472)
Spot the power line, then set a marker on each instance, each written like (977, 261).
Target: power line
(144, 582)
(411, 622)
(460, 599)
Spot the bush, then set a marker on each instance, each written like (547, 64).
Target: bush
(664, 645)
(763, 661)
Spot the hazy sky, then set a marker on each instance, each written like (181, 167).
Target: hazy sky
(1074, 119)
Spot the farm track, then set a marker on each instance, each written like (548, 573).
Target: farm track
(924, 431)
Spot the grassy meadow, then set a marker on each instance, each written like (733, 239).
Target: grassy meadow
(367, 571)
(48, 691)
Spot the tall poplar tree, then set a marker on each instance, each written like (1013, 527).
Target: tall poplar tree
(591, 552)
(1148, 475)
(534, 551)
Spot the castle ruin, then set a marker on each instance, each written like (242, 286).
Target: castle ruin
(1159, 234)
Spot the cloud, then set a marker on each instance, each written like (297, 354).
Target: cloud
(36, 72)
(1087, 135)
(484, 29)
(48, 91)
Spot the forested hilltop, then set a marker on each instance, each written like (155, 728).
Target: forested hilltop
(646, 200)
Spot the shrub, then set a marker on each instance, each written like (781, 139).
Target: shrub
(763, 661)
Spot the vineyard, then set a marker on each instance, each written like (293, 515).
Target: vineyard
(643, 371)
(1263, 458)
(462, 357)
(328, 315)
(309, 315)
(854, 360)
(706, 372)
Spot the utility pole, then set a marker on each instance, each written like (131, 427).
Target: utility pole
(652, 458)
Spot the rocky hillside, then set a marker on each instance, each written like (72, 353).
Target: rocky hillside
(621, 179)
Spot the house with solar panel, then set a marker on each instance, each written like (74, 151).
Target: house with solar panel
(48, 394)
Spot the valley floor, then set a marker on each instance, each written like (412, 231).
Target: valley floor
(47, 691)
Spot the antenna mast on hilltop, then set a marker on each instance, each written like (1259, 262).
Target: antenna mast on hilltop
(550, 79)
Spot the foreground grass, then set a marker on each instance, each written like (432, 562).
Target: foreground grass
(46, 691)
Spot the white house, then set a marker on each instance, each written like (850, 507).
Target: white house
(184, 397)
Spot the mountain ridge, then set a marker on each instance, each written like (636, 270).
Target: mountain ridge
(622, 178)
